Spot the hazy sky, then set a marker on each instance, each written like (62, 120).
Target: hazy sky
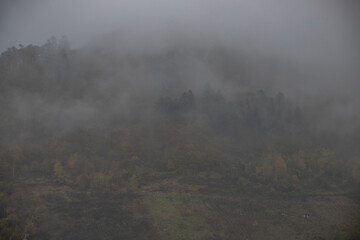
(306, 28)
(320, 34)
(316, 33)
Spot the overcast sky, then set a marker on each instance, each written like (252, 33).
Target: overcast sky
(318, 33)
(297, 27)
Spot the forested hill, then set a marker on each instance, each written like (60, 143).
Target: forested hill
(132, 129)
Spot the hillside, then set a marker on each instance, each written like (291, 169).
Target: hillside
(179, 144)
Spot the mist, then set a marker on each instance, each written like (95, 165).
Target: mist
(318, 40)
(155, 119)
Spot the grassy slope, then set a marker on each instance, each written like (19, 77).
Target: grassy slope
(185, 213)
(171, 209)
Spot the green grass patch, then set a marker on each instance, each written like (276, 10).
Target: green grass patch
(179, 216)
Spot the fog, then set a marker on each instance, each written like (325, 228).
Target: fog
(310, 49)
(157, 119)
(317, 31)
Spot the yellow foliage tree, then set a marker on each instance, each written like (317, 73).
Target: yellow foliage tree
(133, 182)
(280, 166)
(266, 170)
(134, 158)
(59, 171)
(72, 160)
(301, 164)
